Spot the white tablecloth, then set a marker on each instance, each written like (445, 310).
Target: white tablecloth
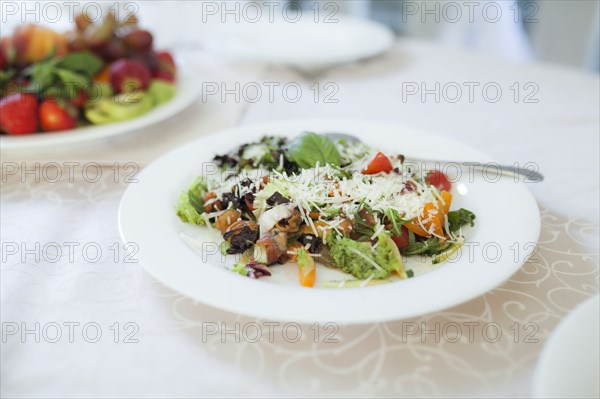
(166, 351)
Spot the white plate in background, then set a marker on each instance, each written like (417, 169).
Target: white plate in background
(506, 213)
(569, 366)
(304, 44)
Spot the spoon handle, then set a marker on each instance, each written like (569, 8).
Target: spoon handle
(530, 175)
(489, 168)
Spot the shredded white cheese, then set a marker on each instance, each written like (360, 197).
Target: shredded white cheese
(367, 281)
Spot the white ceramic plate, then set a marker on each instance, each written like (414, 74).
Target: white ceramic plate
(303, 44)
(184, 257)
(569, 366)
(187, 92)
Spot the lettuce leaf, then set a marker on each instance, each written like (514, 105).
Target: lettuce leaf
(358, 258)
(190, 206)
(187, 213)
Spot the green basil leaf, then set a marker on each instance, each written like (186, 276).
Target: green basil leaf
(431, 246)
(72, 80)
(83, 62)
(42, 76)
(462, 217)
(309, 148)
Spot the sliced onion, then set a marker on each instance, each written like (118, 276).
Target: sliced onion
(269, 219)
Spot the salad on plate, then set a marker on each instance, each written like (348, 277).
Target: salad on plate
(312, 200)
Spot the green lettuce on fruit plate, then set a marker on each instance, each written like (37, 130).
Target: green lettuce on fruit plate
(312, 201)
(95, 74)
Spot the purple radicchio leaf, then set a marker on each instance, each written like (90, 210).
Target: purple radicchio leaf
(256, 270)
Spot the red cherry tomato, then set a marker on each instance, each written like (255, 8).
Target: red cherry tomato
(439, 180)
(402, 240)
(380, 163)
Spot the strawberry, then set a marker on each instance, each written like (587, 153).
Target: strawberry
(18, 114)
(57, 115)
(166, 66)
(80, 99)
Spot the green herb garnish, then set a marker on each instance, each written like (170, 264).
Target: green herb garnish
(462, 217)
(309, 148)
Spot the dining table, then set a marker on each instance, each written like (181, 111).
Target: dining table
(80, 317)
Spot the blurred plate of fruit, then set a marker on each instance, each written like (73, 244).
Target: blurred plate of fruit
(95, 81)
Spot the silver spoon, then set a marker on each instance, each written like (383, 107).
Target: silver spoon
(505, 170)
